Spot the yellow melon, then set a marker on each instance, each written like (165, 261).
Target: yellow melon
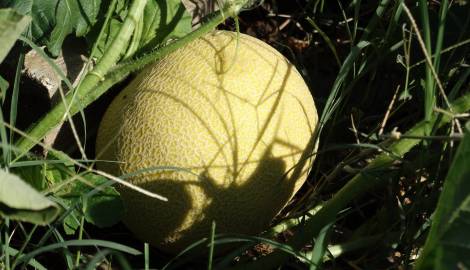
(218, 128)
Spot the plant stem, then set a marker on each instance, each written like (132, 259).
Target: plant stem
(107, 61)
(92, 87)
(360, 184)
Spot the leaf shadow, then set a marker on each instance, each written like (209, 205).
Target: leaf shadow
(240, 187)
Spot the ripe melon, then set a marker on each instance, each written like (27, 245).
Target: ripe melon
(218, 128)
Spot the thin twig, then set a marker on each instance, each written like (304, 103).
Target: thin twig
(355, 130)
(389, 109)
(88, 168)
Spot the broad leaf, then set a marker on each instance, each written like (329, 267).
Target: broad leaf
(53, 20)
(12, 25)
(103, 206)
(164, 20)
(33, 175)
(448, 242)
(161, 21)
(19, 201)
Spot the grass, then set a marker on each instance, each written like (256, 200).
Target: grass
(391, 82)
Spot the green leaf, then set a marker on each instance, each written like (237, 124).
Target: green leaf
(78, 243)
(35, 264)
(33, 175)
(448, 242)
(43, 173)
(54, 20)
(164, 20)
(19, 201)
(161, 21)
(3, 88)
(320, 247)
(104, 206)
(12, 25)
(71, 223)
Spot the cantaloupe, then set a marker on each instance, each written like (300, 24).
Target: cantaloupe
(217, 127)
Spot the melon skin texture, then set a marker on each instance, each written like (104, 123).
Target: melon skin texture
(218, 129)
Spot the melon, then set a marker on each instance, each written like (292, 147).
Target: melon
(218, 127)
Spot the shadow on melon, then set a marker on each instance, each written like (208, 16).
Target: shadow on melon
(241, 209)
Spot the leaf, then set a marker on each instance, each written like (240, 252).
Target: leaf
(164, 20)
(321, 245)
(71, 223)
(42, 174)
(13, 252)
(105, 208)
(448, 242)
(54, 20)
(19, 201)
(161, 21)
(103, 204)
(12, 25)
(33, 175)
(3, 88)
(78, 243)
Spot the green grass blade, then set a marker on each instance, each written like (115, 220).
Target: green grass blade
(357, 9)
(6, 246)
(335, 98)
(327, 40)
(32, 262)
(379, 12)
(26, 242)
(447, 245)
(357, 186)
(429, 86)
(14, 98)
(78, 243)
(6, 148)
(101, 255)
(66, 252)
(320, 248)
(440, 33)
(3, 89)
(459, 84)
(122, 261)
(336, 251)
(146, 256)
(211, 246)
(98, 258)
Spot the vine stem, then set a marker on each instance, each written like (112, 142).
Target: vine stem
(361, 183)
(106, 74)
(93, 77)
